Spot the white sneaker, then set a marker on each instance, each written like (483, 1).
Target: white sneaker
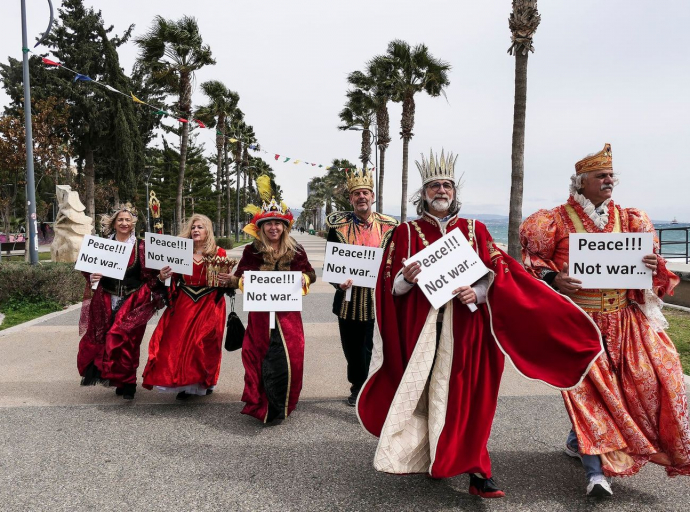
(598, 487)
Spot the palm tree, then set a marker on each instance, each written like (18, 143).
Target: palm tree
(172, 51)
(414, 70)
(359, 111)
(377, 80)
(222, 103)
(523, 23)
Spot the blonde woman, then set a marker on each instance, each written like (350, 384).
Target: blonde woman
(273, 358)
(114, 316)
(185, 349)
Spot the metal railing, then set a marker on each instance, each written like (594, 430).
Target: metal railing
(674, 246)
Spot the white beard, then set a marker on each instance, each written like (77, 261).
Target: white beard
(440, 205)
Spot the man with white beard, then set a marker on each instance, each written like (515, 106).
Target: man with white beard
(631, 408)
(434, 377)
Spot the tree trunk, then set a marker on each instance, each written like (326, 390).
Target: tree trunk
(185, 100)
(403, 199)
(220, 143)
(228, 191)
(116, 196)
(90, 176)
(406, 125)
(366, 147)
(518, 155)
(379, 185)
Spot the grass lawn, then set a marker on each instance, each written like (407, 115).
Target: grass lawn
(42, 256)
(18, 312)
(679, 332)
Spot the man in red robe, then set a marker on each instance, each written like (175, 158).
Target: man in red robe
(632, 407)
(433, 382)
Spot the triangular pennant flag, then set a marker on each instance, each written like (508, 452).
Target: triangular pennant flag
(277, 157)
(232, 140)
(83, 78)
(162, 113)
(252, 146)
(315, 164)
(50, 62)
(182, 120)
(320, 165)
(201, 125)
(110, 88)
(296, 161)
(218, 132)
(136, 100)
(287, 158)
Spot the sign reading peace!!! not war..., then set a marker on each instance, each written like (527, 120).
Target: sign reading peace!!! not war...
(104, 256)
(272, 291)
(611, 260)
(447, 264)
(356, 262)
(173, 251)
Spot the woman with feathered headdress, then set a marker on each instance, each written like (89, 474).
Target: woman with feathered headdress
(273, 358)
(113, 318)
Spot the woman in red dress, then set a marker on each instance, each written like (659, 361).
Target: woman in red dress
(185, 349)
(273, 358)
(114, 316)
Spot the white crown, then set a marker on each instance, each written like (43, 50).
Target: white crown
(437, 168)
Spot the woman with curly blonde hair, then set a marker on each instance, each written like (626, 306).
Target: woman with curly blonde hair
(185, 349)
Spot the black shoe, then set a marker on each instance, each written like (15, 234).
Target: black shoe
(209, 392)
(128, 391)
(182, 395)
(352, 400)
(119, 391)
(484, 487)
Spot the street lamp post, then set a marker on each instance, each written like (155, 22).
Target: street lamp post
(237, 185)
(148, 215)
(376, 158)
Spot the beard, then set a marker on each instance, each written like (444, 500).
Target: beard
(440, 204)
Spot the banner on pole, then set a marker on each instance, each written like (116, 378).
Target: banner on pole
(447, 264)
(356, 262)
(272, 291)
(103, 256)
(170, 251)
(611, 260)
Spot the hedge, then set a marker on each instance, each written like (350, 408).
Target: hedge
(58, 282)
(225, 243)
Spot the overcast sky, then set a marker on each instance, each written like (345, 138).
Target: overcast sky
(614, 71)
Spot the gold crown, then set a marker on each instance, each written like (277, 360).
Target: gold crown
(603, 160)
(360, 179)
(437, 168)
(126, 207)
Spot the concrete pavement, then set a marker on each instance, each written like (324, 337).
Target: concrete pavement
(65, 447)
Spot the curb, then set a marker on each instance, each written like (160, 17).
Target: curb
(39, 320)
(679, 308)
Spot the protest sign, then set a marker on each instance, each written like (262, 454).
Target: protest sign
(447, 264)
(104, 256)
(356, 262)
(611, 260)
(170, 251)
(272, 291)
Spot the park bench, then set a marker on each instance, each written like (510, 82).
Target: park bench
(8, 247)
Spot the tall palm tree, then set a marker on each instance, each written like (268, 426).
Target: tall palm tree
(377, 80)
(359, 112)
(221, 105)
(523, 23)
(172, 51)
(414, 70)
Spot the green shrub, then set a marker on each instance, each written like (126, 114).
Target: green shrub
(322, 234)
(225, 243)
(48, 282)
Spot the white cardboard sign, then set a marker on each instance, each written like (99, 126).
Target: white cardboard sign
(447, 264)
(173, 251)
(356, 262)
(611, 260)
(272, 291)
(104, 256)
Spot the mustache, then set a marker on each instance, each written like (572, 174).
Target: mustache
(606, 187)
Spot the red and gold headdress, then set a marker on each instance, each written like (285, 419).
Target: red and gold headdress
(603, 160)
(357, 179)
(269, 210)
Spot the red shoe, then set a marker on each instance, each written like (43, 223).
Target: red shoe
(484, 487)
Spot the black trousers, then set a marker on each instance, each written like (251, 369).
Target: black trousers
(357, 339)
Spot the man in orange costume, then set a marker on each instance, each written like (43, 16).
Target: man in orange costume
(631, 407)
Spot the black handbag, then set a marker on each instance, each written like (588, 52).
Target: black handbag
(234, 333)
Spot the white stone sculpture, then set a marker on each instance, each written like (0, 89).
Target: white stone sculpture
(70, 226)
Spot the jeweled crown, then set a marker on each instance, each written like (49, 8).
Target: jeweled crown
(437, 167)
(603, 160)
(360, 179)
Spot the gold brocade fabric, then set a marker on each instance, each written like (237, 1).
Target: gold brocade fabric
(631, 408)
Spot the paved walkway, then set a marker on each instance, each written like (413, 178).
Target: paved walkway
(70, 448)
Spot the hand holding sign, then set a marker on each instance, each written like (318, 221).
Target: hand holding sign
(169, 254)
(272, 291)
(357, 265)
(566, 284)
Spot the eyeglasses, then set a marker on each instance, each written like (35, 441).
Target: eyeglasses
(437, 186)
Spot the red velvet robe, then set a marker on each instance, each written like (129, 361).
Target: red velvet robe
(273, 359)
(111, 343)
(186, 348)
(439, 421)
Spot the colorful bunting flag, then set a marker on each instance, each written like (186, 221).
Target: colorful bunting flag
(82, 78)
(136, 100)
(201, 125)
(50, 62)
(277, 157)
(232, 140)
(296, 161)
(182, 120)
(287, 159)
(162, 113)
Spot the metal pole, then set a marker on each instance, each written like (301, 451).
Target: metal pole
(148, 218)
(237, 209)
(29, 141)
(376, 166)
